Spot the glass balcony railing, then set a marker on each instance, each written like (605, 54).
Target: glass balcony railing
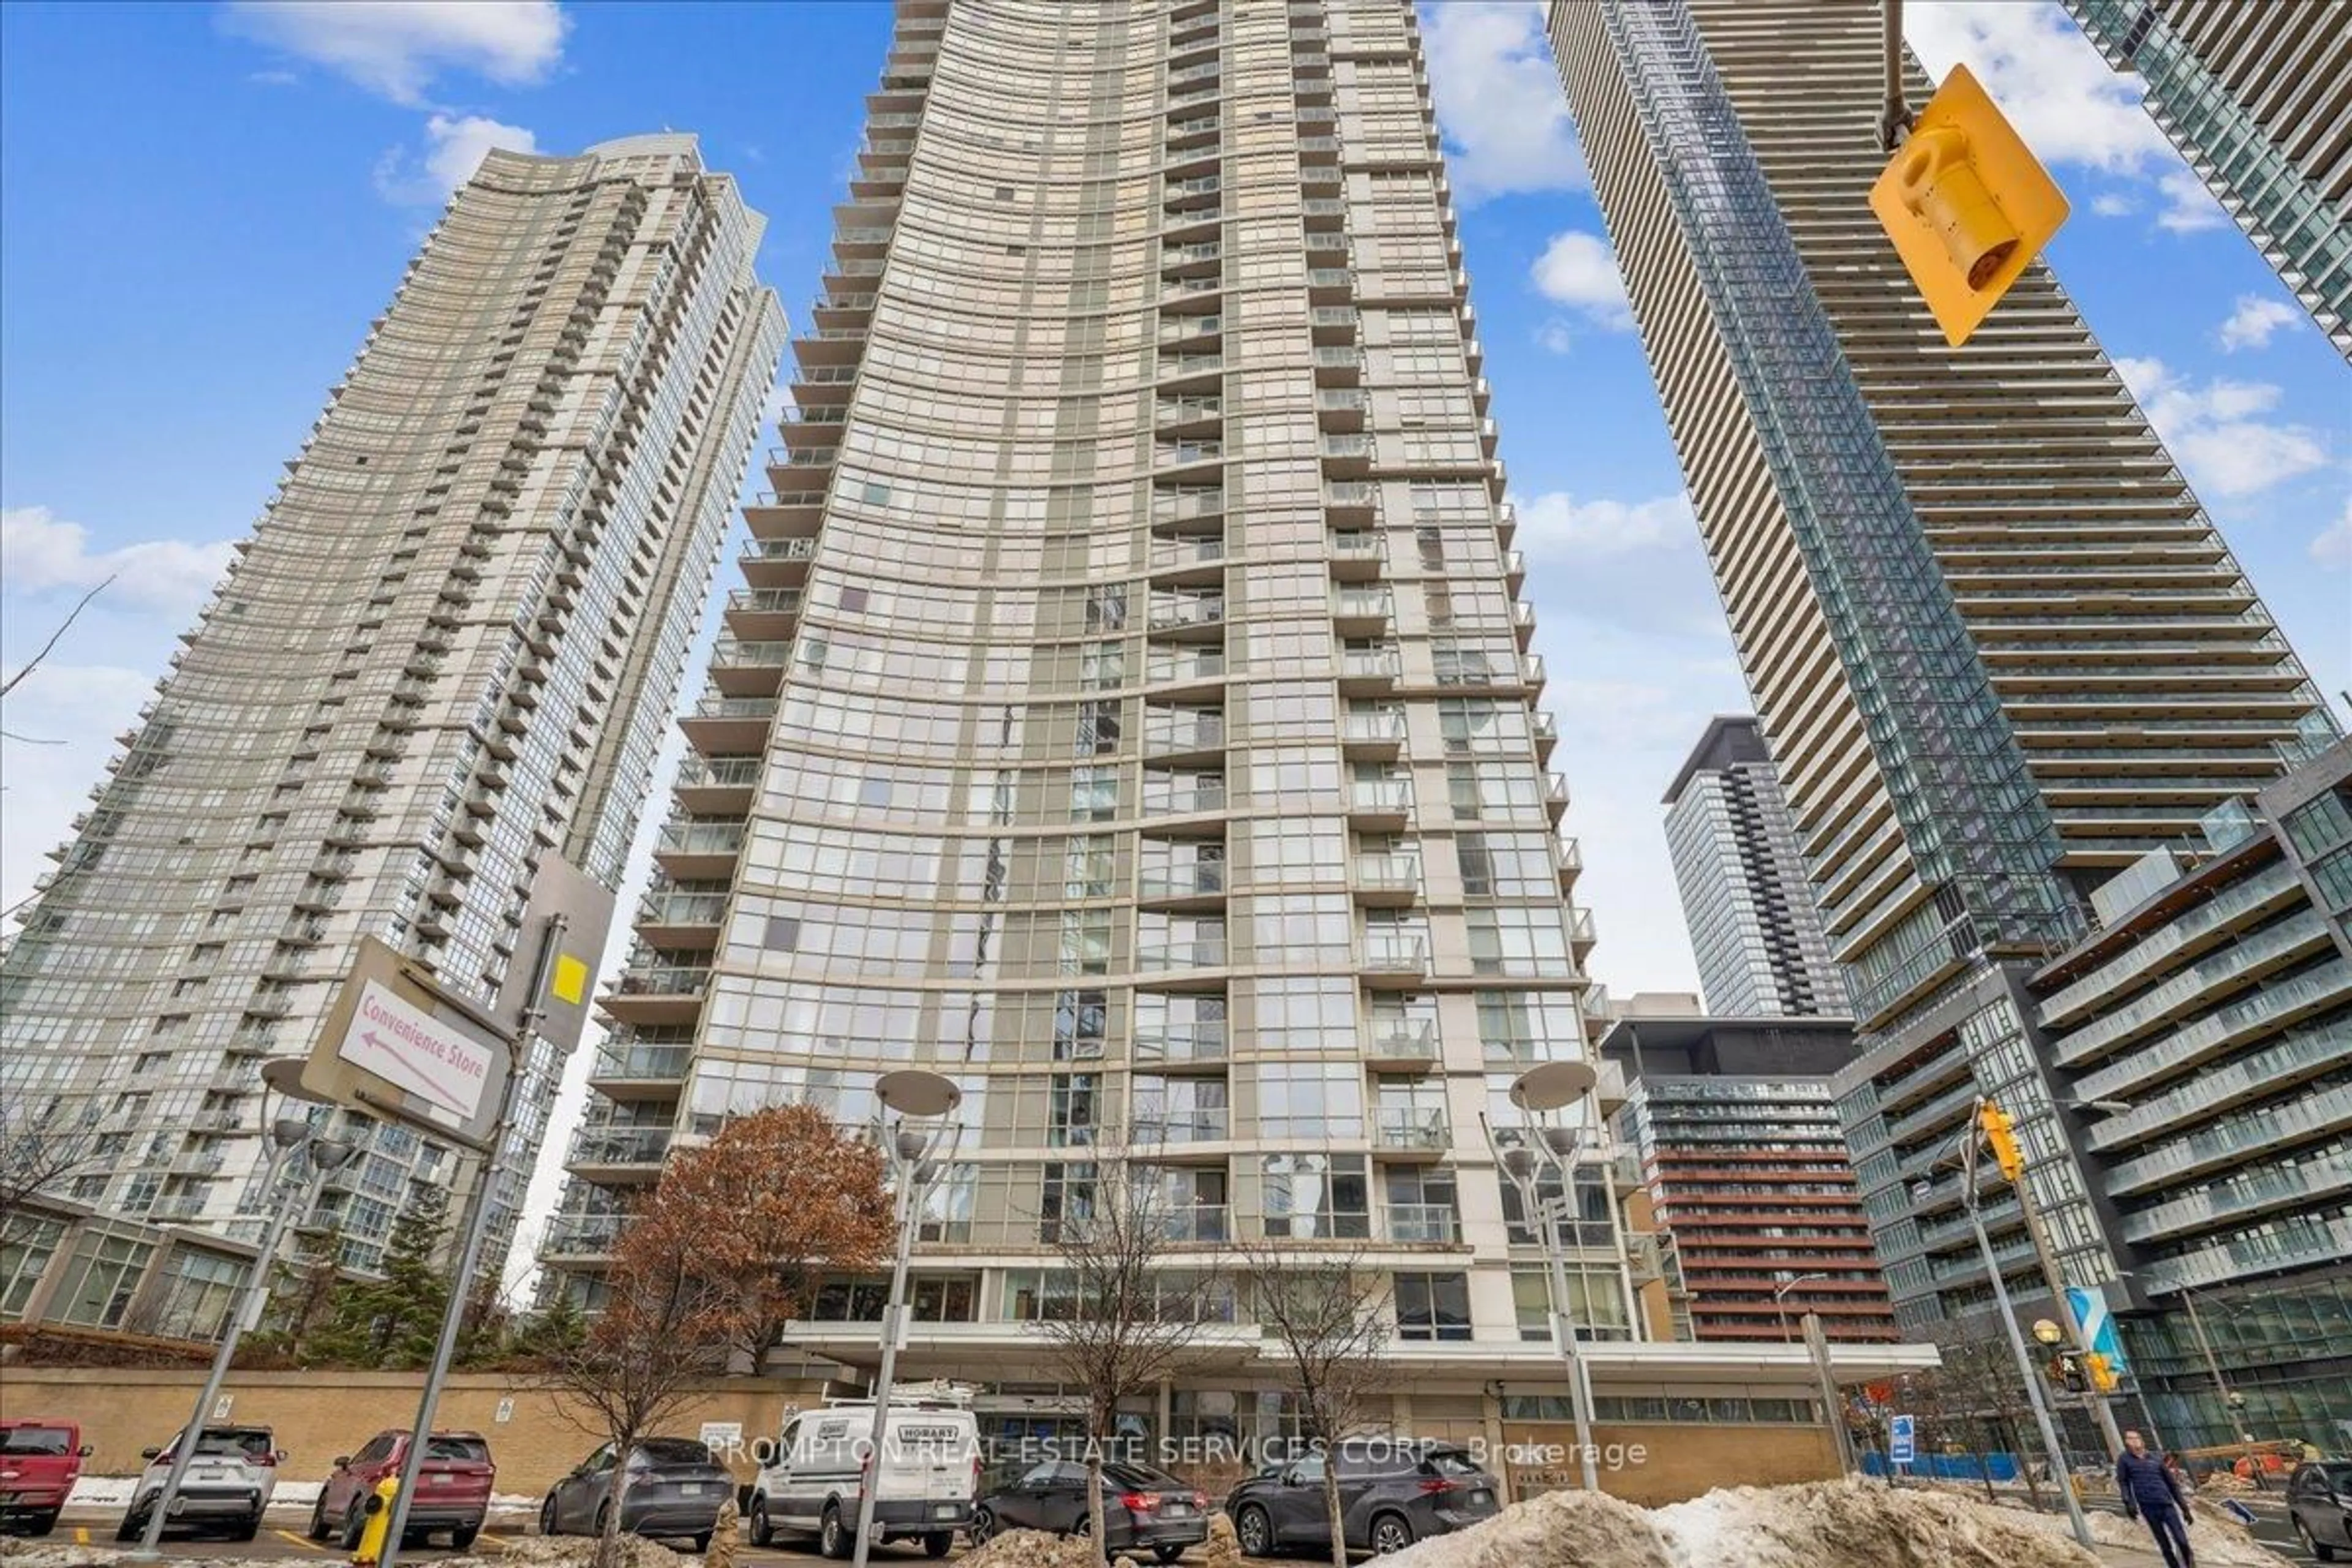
(1187, 1127)
(2291, 1243)
(1423, 1224)
(1373, 727)
(1388, 873)
(1198, 1222)
(1394, 954)
(1416, 1128)
(1168, 615)
(2290, 1057)
(1164, 1042)
(682, 908)
(696, 772)
(648, 1063)
(1205, 879)
(1380, 795)
(1401, 1038)
(663, 980)
(2151, 1058)
(2234, 1137)
(700, 838)
(2244, 1193)
(580, 1235)
(1192, 733)
(606, 1145)
(1198, 952)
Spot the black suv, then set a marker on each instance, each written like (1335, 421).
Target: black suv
(1392, 1492)
(2319, 1506)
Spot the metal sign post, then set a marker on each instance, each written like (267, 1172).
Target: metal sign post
(477, 1225)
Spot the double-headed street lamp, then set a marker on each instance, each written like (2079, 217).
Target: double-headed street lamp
(1779, 1293)
(918, 1145)
(1552, 1149)
(289, 1133)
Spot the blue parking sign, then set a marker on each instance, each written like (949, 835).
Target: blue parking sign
(1899, 1446)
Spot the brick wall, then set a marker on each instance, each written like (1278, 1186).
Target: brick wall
(320, 1415)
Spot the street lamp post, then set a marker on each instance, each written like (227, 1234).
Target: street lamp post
(2231, 1400)
(1779, 1293)
(1540, 1092)
(2008, 1314)
(915, 1154)
(287, 1132)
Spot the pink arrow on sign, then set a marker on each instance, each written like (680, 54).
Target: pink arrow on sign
(439, 1090)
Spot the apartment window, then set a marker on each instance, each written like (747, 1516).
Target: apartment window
(1075, 1105)
(1306, 1196)
(1081, 1020)
(1432, 1306)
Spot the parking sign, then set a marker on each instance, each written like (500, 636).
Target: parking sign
(1899, 1446)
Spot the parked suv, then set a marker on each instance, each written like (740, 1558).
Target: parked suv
(39, 1461)
(229, 1483)
(1392, 1492)
(1143, 1509)
(2319, 1507)
(670, 1488)
(453, 1488)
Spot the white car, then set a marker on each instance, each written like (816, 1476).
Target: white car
(227, 1487)
(929, 1475)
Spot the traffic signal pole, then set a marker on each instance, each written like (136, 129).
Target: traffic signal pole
(2000, 1133)
(1895, 115)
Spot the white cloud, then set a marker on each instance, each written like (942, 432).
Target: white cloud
(2332, 547)
(1557, 524)
(40, 552)
(1500, 102)
(396, 48)
(68, 715)
(2066, 101)
(2252, 325)
(2214, 433)
(1555, 336)
(453, 149)
(2188, 203)
(1578, 268)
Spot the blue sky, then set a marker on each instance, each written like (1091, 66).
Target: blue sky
(201, 209)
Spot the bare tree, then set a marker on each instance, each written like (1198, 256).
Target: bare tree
(1128, 1312)
(665, 1325)
(41, 1147)
(1328, 1318)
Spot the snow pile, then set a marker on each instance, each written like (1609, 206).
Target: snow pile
(2220, 1542)
(1558, 1530)
(1827, 1524)
(1033, 1549)
(1856, 1524)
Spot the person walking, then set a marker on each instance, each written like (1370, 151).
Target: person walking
(2153, 1492)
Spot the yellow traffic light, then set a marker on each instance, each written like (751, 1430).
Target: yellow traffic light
(1998, 1132)
(1966, 204)
(2103, 1372)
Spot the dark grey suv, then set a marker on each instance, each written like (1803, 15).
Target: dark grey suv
(1392, 1492)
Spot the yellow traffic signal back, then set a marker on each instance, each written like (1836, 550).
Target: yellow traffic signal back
(1966, 204)
(2001, 1135)
(2101, 1371)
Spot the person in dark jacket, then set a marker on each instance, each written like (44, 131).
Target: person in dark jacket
(2154, 1494)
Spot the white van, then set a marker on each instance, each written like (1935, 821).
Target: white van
(929, 1473)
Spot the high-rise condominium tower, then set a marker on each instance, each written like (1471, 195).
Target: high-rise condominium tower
(2256, 95)
(1746, 897)
(444, 658)
(1998, 647)
(1126, 710)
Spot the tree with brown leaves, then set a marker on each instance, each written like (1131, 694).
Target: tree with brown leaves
(1329, 1321)
(1127, 1312)
(772, 1202)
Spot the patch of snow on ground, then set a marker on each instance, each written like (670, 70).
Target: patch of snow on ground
(2220, 1542)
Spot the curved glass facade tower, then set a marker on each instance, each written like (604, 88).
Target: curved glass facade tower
(445, 655)
(1126, 709)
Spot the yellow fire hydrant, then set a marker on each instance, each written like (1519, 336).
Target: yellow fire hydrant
(379, 1523)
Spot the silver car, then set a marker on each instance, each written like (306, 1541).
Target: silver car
(670, 1488)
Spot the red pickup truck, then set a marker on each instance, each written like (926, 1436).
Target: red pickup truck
(39, 1462)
